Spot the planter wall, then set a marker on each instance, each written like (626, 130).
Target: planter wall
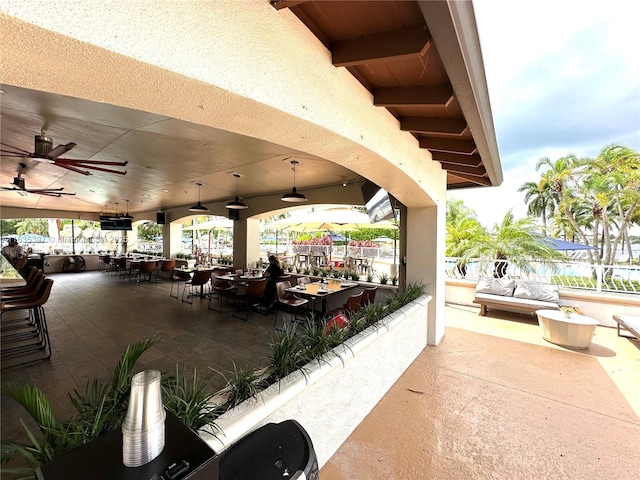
(333, 396)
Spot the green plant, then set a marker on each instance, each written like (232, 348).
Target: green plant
(317, 340)
(286, 353)
(191, 401)
(100, 408)
(354, 275)
(394, 280)
(370, 277)
(383, 277)
(242, 385)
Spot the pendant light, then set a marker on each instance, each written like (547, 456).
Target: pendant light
(237, 204)
(126, 215)
(294, 196)
(199, 208)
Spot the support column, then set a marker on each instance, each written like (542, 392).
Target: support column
(130, 239)
(246, 242)
(171, 239)
(425, 261)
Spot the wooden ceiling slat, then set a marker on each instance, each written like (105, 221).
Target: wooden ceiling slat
(406, 42)
(454, 126)
(450, 145)
(473, 171)
(413, 96)
(457, 159)
(483, 181)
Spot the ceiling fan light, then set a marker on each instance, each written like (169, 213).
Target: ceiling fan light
(237, 205)
(294, 197)
(198, 208)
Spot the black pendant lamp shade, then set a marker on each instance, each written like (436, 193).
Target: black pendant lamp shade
(126, 215)
(294, 196)
(237, 204)
(199, 208)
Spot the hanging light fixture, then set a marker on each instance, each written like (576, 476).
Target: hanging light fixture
(294, 196)
(237, 204)
(199, 207)
(126, 215)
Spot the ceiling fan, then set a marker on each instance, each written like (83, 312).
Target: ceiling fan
(18, 185)
(44, 151)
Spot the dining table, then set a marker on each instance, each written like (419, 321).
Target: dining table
(330, 294)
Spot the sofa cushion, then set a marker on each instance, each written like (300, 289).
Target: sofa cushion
(496, 286)
(537, 291)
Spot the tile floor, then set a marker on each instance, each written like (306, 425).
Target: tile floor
(492, 401)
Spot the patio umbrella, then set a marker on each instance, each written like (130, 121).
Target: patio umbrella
(558, 244)
(220, 222)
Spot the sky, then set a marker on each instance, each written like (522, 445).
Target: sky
(563, 77)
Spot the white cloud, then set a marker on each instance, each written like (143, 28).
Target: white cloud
(563, 78)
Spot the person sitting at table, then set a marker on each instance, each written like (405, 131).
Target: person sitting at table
(273, 271)
(15, 254)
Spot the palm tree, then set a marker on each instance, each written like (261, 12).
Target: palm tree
(462, 226)
(540, 199)
(515, 242)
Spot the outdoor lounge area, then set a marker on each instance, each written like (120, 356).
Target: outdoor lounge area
(493, 400)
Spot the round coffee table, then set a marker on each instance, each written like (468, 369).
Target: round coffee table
(573, 330)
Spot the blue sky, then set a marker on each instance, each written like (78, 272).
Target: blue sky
(563, 77)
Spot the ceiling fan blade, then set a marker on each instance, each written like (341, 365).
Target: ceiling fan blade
(70, 167)
(88, 164)
(51, 192)
(60, 149)
(15, 152)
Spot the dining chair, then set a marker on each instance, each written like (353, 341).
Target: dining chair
(368, 296)
(198, 281)
(304, 280)
(249, 297)
(221, 288)
(166, 267)
(178, 277)
(288, 302)
(351, 306)
(146, 268)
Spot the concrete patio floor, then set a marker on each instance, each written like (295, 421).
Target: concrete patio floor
(496, 401)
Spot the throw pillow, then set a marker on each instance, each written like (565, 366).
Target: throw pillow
(537, 291)
(496, 286)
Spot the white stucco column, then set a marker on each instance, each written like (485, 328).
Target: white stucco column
(132, 238)
(172, 239)
(246, 242)
(425, 261)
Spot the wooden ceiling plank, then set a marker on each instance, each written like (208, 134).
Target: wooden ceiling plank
(406, 42)
(454, 126)
(414, 96)
(457, 159)
(473, 171)
(449, 145)
(482, 181)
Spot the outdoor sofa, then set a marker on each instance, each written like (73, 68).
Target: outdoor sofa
(520, 296)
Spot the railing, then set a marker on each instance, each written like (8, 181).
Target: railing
(580, 275)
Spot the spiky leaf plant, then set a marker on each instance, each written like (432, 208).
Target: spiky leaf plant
(100, 408)
(191, 400)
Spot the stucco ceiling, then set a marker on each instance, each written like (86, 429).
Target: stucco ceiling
(387, 46)
(165, 157)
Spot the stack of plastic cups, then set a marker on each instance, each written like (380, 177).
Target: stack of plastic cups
(143, 427)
